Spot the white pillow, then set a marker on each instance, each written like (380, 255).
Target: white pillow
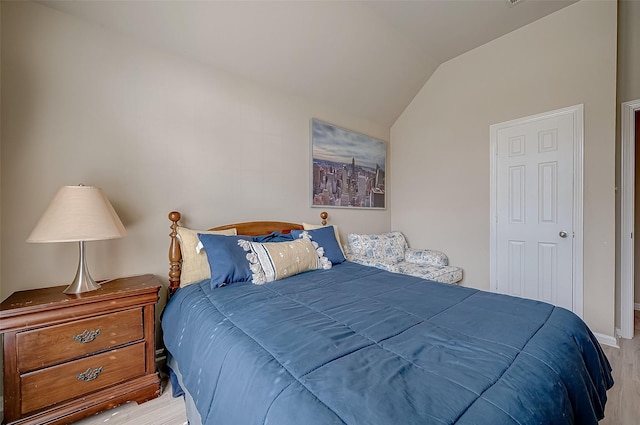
(195, 265)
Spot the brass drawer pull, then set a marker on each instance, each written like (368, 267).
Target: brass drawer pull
(89, 374)
(87, 336)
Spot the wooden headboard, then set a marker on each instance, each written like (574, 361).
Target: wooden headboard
(248, 228)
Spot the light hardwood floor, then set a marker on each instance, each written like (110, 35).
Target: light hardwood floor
(623, 405)
(164, 410)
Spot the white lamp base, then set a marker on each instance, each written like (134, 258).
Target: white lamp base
(83, 282)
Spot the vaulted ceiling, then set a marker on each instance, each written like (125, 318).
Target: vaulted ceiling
(368, 58)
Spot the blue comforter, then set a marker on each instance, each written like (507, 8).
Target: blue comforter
(358, 345)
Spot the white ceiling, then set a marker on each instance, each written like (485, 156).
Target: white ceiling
(368, 58)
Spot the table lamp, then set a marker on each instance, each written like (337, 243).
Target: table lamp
(78, 214)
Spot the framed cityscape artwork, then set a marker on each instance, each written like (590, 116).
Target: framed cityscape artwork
(348, 168)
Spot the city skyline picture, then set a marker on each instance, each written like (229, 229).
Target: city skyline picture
(348, 168)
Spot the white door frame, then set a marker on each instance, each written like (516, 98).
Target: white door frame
(577, 112)
(627, 201)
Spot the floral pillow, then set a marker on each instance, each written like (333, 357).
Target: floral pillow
(427, 257)
(387, 247)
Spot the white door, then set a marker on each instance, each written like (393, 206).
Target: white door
(534, 208)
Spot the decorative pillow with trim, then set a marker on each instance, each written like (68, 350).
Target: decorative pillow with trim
(389, 247)
(195, 266)
(227, 260)
(272, 261)
(308, 226)
(326, 238)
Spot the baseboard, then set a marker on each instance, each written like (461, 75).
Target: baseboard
(609, 340)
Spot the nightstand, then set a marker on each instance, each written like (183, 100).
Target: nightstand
(70, 356)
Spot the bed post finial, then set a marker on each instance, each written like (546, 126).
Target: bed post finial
(175, 256)
(323, 216)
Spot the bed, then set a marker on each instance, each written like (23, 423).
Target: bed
(353, 344)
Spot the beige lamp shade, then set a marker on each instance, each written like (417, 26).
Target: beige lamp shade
(78, 213)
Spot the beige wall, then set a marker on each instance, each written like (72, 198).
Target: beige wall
(157, 132)
(440, 150)
(628, 50)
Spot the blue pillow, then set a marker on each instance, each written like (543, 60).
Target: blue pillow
(274, 237)
(227, 260)
(326, 238)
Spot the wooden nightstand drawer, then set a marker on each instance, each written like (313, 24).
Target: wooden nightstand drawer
(69, 356)
(55, 344)
(70, 380)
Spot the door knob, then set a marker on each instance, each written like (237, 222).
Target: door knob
(562, 234)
